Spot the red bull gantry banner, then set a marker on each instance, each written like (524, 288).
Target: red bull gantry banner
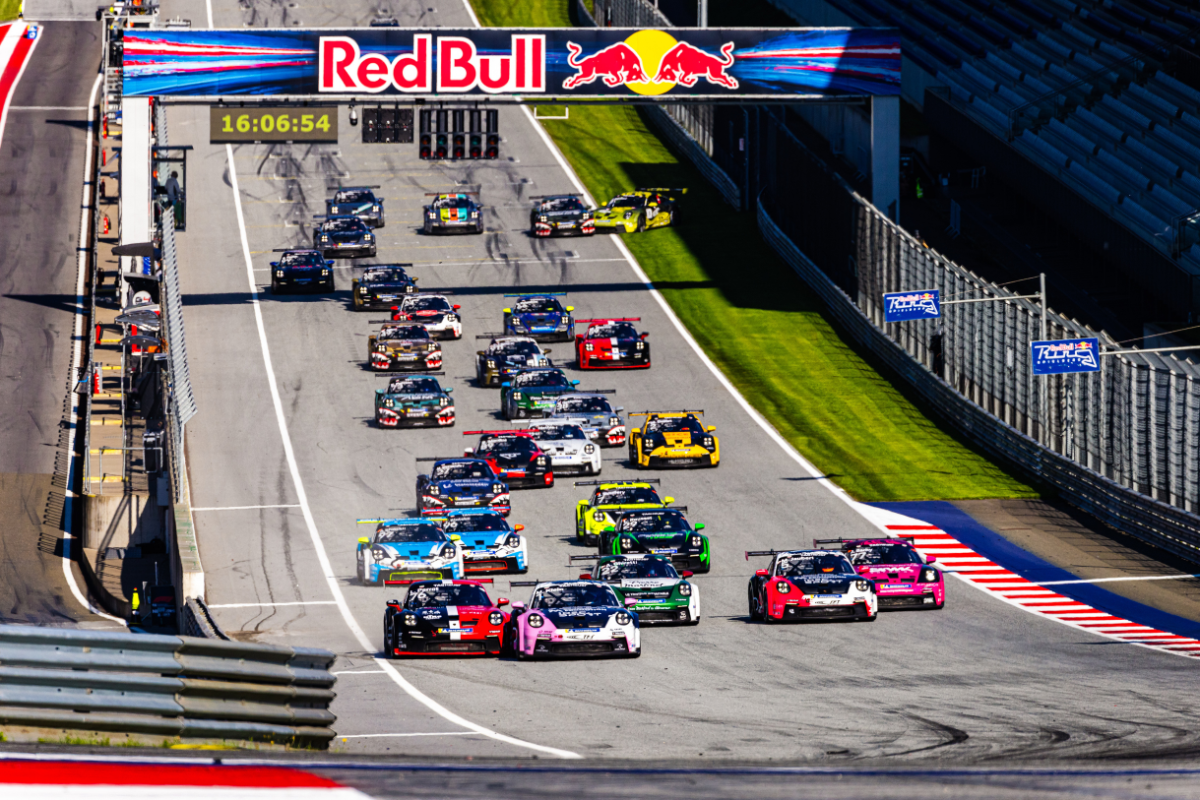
(586, 63)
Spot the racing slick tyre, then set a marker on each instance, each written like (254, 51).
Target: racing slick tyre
(672, 216)
(641, 223)
(755, 612)
(428, 231)
(275, 288)
(479, 227)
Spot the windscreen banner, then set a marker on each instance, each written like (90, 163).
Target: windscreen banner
(586, 63)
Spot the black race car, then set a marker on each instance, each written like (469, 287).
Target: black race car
(358, 201)
(561, 215)
(343, 235)
(453, 212)
(414, 400)
(515, 458)
(382, 286)
(505, 355)
(301, 269)
(460, 483)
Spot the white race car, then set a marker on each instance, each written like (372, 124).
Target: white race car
(570, 449)
(592, 411)
(439, 316)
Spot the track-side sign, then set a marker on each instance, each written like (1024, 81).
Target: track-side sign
(587, 63)
(907, 306)
(1064, 356)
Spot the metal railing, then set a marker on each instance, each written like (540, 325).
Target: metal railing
(165, 685)
(198, 621)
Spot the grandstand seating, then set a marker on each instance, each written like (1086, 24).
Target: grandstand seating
(1076, 86)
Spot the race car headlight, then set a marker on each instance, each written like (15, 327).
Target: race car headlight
(685, 589)
(535, 621)
(435, 491)
(697, 541)
(541, 460)
(491, 363)
(516, 395)
(565, 320)
(324, 237)
(369, 237)
(783, 587)
(278, 273)
(324, 272)
(589, 449)
(512, 541)
(431, 347)
(333, 209)
(497, 488)
(448, 550)
(708, 442)
(496, 618)
(641, 345)
(410, 620)
(588, 347)
(614, 422)
(929, 575)
(599, 516)
(375, 208)
(474, 215)
(628, 214)
(863, 586)
(623, 618)
(627, 544)
(543, 218)
(378, 555)
(444, 401)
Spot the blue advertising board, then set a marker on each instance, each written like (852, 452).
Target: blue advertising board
(726, 64)
(907, 306)
(1065, 356)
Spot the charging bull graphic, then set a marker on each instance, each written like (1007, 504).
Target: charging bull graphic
(616, 64)
(684, 64)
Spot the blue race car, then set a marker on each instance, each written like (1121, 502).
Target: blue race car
(457, 483)
(541, 317)
(301, 269)
(407, 550)
(489, 543)
(359, 201)
(343, 235)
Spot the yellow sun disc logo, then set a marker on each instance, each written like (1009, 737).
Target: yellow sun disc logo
(651, 46)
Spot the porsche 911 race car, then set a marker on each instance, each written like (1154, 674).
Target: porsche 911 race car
(403, 347)
(661, 532)
(541, 317)
(599, 420)
(489, 543)
(611, 344)
(531, 392)
(640, 210)
(456, 483)
(411, 401)
(357, 201)
(610, 498)
(505, 355)
(439, 316)
(673, 439)
(561, 215)
(381, 286)
(569, 448)
(573, 618)
(514, 457)
(902, 577)
(343, 236)
(453, 213)
(662, 594)
(445, 618)
(407, 550)
(810, 584)
(301, 269)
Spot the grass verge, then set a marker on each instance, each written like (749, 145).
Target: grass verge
(758, 321)
(9, 10)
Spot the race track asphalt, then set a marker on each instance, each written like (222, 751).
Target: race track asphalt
(977, 681)
(41, 166)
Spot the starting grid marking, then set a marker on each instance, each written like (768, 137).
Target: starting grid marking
(1010, 587)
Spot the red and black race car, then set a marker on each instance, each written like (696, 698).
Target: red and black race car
(612, 344)
(445, 618)
(514, 457)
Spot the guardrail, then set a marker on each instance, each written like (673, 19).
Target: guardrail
(165, 685)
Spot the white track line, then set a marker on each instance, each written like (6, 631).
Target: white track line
(244, 508)
(48, 108)
(1110, 580)
(331, 578)
(85, 217)
(274, 605)
(393, 735)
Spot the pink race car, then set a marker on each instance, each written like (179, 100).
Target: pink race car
(903, 579)
(573, 618)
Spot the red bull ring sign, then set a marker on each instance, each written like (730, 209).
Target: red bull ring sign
(541, 63)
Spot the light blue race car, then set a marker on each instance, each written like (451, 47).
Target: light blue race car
(407, 550)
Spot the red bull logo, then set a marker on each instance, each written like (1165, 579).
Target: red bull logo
(651, 62)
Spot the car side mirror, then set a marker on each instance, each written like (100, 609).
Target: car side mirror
(503, 601)
(570, 308)
(454, 537)
(481, 352)
(762, 573)
(506, 385)
(643, 336)
(585, 576)
(518, 527)
(630, 601)
(700, 526)
(711, 428)
(274, 263)
(508, 311)
(547, 351)
(469, 451)
(363, 540)
(619, 409)
(456, 307)
(668, 500)
(574, 383)
(448, 389)
(930, 559)
(518, 605)
(610, 529)
(583, 502)
(329, 263)
(687, 573)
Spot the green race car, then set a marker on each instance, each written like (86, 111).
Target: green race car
(532, 392)
(658, 532)
(662, 595)
(640, 210)
(610, 498)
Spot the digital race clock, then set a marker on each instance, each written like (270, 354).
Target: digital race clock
(238, 125)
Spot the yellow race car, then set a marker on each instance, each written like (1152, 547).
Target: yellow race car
(640, 210)
(673, 439)
(610, 498)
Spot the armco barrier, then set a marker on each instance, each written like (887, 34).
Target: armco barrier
(1122, 508)
(165, 685)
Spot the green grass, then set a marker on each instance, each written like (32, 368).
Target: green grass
(9, 9)
(758, 321)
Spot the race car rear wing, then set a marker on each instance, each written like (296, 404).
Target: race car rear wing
(497, 433)
(618, 483)
(436, 458)
(524, 583)
(842, 542)
(351, 188)
(335, 216)
(765, 553)
(409, 374)
(537, 294)
(660, 190)
(393, 521)
(621, 513)
(295, 250)
(663, 413)
(594, 391)
(608, 319)
(447, 194)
